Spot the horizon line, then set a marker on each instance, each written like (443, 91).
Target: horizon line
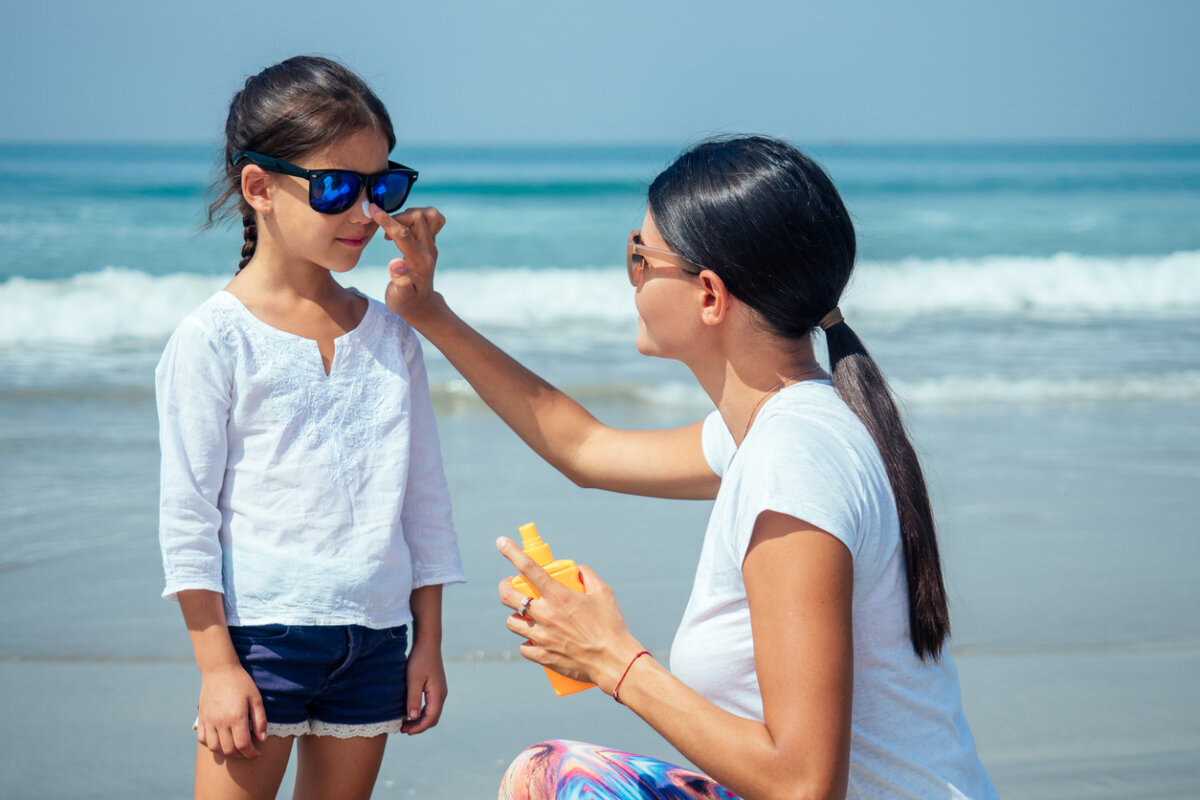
(680, 143)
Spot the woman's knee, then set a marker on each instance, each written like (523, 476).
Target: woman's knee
(534, 773)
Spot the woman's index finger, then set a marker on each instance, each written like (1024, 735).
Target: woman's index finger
(529, 569)
(390, 224)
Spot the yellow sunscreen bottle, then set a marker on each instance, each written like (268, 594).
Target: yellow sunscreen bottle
(565, 572)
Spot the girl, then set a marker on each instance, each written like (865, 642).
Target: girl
(810, 660)
(305, 519)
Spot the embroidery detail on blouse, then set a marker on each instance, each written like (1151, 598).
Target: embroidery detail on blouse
(335, 417)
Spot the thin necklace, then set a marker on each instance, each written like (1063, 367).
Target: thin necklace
(773, 390)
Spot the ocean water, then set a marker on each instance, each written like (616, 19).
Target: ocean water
(1036, 308)
(1009, 277)
(971, 259)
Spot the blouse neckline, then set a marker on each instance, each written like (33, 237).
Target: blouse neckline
(364, 327)
(364, 324)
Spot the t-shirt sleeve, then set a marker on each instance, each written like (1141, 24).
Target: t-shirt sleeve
(193, 390)
(426, 515)
(807, 474)
(717, 443)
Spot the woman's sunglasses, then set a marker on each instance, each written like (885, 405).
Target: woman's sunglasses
(332, 191)
(635, 259)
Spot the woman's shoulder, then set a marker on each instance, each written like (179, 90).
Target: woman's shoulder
(796, 422)
(806, 410)
(811, 457)
(810, 423)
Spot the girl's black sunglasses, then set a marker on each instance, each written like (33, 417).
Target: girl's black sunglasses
(332, 191)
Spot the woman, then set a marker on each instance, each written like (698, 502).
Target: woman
(809, 662)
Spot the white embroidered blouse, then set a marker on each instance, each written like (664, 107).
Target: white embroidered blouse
(306, 498)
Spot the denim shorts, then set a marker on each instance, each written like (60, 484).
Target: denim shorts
(328, 680)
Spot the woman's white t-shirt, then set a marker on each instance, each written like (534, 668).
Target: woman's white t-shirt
(305, 498)
(808, 456)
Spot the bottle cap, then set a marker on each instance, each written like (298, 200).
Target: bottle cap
(533, 545)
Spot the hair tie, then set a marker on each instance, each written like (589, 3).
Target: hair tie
(834, 317)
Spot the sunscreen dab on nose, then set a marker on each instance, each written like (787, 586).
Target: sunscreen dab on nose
(366, 207)
(565, 572)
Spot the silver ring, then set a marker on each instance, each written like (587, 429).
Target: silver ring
(524, 609)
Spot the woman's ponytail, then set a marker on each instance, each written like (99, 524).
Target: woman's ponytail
(863, 388)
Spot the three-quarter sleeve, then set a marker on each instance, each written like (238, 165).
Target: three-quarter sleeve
(426, 517)
(194, 393)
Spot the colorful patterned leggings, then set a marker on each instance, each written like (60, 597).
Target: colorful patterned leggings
(565, 770)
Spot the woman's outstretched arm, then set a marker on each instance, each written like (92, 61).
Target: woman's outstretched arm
(665, 463)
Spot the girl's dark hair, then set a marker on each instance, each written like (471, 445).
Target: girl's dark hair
(768, 220)
(287, 111)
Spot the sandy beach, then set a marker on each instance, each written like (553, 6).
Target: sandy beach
(1065, 534)
(1045, 726)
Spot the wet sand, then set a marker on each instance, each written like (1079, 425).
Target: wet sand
(1068, 535)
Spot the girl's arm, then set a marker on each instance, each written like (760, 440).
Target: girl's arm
(798, 583)
(426, 673)
(231, 715)
(193, 393)
(668, 463)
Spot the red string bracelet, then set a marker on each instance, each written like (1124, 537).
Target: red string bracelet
(617, 688)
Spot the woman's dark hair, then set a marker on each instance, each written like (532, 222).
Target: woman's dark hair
(768, 220)
(287, 111)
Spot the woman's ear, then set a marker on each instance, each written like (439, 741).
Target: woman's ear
(256, 188)
(715, 300)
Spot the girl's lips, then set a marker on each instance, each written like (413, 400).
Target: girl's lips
(359, 241)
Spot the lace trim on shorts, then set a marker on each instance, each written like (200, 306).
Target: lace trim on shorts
(316, 727)
(285, 729)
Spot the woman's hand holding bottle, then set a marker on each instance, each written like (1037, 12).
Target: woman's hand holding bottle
(582, 636)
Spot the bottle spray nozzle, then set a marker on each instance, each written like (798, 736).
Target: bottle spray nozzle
(533, 545)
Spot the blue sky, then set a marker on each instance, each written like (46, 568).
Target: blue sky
(617, 71)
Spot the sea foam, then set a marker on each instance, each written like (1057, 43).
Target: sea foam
(947, 392)
(1063, 285)
(99, 307)
(127, 305)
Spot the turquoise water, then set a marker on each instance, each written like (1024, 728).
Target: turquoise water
(1021, 278)
(975, 255)
(137, 207)
(1016, 278)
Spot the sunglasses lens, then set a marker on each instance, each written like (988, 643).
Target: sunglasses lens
(633, 263)
(391, 190)
(333, 192)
